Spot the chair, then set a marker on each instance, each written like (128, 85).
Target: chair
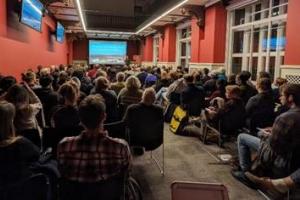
(36, 187)
(117, 130)
(149, 134)
(52, 136)
(31, 134)
(207, 128)
(198, 191)
(111, 189)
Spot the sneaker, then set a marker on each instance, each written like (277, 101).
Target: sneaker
(240, 176)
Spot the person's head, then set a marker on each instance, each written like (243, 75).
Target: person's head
(148, 97)
(120, 77)
(68, 93)
(29, 77)
(7, 115)
(206, 71)
(101, 73)
(233, 91)
(44, 71)
(290, 95)
(188, 78)
(264, 85)
(280, 81)
(77, 81)
(17, 95)
(133, 83)
(92, 112)
(63, 77)
(6, 82)
(232, 79)
(264, 74)
(244, 76)
(221, 84)
(174, 75)
(46, 81)
(101, 83)
(79, 73)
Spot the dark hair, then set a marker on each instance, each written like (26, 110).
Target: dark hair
(188, 78)
(293, 90)
(6, 82)
(264, 74)
(221, 84)
(244, 76)
(91, 111)
(46, 80)
(265, 84)
(205, 71)
(17, 95)
(231, 79)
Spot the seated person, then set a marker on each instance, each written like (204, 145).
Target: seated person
(192, 98)
(48, 97)
(219, 92)
(260, 108)
(279, 144)
(233, 111)
(66, 115)
(144, 116)
(110, 97)
(27, 105)
(247, 90)
(5, 83)
(92, 156)
(120, 84)
(17, 154)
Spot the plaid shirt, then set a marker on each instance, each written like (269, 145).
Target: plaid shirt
(285, 135)
(92, 158)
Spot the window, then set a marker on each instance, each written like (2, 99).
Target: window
(258, 37)
(184, 46)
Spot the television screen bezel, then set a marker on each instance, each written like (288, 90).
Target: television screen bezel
(21, 15)
(110, 40)
(56, 33)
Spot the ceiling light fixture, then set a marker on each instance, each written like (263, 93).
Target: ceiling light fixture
(116, 32)
(80, 14)
(161, 16)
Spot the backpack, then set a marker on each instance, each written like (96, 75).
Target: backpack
(179, 120)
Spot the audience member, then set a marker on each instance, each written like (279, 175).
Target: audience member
(247, 91)
(78, 157)
(120, 84)
(132, 93)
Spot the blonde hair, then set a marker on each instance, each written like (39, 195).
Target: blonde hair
(7, 130)
(101, 83)
(233, 90)
(133, 83)
(68, 92)
(148, 97)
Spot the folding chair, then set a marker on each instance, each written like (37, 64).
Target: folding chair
(198, 191)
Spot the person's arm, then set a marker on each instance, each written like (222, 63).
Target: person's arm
(251, 105)
(32, 96)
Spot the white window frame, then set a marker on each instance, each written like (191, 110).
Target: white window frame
(267, 21)
(186, 40)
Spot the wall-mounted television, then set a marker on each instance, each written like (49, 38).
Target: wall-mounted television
(32, 14)
(107, 52)
(60, 32)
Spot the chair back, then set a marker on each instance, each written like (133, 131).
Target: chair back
(36, 187)
(198, 191)
(146, 129)
(117, 130)
(52, 136)
(111, 189)
(31, 134)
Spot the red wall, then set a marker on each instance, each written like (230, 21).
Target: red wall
(23, 48)
(208, 45)
(148, 49)
(167, 45)
(292, 34)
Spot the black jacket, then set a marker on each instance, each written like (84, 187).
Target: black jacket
(260, 111)
(193, 99)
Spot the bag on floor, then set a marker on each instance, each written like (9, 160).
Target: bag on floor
(179, 120)
(169, 112)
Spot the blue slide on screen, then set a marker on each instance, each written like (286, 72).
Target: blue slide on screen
(107, 52)
(31, 14)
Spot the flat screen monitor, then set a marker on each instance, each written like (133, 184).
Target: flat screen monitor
(32, 14)
(60, 32)
(107, 52)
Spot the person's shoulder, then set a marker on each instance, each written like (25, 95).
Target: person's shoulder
(117, 141)
(67, 140)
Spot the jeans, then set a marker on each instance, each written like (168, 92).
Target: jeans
(246, 143)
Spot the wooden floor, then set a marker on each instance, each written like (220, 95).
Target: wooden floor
(187, 159)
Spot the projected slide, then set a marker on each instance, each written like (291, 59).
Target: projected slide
(107, 52)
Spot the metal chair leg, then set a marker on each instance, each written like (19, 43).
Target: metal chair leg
(161, 167)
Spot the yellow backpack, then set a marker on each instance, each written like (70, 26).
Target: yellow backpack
(179, 120)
